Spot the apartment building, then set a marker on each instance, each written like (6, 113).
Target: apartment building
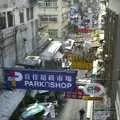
(112, 56)
(18, 29)
(54, 13)
(18, 38)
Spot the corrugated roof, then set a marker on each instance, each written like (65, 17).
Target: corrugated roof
(9, 101)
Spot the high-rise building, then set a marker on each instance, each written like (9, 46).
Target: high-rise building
(112, 56)
(54, 13)
(18, 38)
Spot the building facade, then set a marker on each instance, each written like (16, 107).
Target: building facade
(112, 56)
(54, 13)
(18, 31)
(18, 38)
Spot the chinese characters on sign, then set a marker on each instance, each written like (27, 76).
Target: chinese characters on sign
(77, 94)
(41, 80)
(94, 89)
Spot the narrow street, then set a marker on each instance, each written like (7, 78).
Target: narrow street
(70, 111)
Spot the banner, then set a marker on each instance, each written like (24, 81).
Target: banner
(40, 79)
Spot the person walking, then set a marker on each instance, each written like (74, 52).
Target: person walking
(81, 112)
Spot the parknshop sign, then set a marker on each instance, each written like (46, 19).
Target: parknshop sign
(39, 79)
(94, 89)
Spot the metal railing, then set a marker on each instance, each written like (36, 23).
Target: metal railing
(48, 4)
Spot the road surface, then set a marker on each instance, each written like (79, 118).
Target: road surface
(70, 111)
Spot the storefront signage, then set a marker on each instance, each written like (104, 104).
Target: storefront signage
(94, 89)
(77, 94)
(92, 98)
(84, 30)
(40, 80)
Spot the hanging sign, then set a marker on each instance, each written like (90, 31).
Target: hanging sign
(40, 79)
(94, 89)
(77, 94)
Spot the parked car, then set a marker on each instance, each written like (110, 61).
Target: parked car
(33, 112)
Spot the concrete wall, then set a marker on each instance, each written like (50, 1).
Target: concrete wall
(26, 35)
(115, 5)
(116, 73)
(9, 52)
(14, 3)
(59, 11)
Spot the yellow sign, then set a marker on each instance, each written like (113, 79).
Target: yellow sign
(78, 63)
(81, 65)
(92, 98)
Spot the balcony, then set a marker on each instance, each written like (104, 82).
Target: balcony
(47, 4)
(6, 33)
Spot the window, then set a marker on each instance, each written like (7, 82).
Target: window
(0, 58)
(43, 18)
(64, 17)
(53, 18)
(47, 18)
(48, 3)
(53, 33)
(2, 21)
(29, 13)
(21, 14)
(119, 73)
(10, 18)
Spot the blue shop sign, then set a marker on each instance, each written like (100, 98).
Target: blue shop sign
(40, 79)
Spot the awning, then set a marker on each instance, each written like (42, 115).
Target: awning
(9, 100)
(51, 50)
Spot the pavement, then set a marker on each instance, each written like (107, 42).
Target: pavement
(70, 111)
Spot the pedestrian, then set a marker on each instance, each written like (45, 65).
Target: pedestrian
(81, 112)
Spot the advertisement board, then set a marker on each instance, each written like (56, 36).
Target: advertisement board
(78, 62)
(40, 79)
(94, 89)
(77, 94)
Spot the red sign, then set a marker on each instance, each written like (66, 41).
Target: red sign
(84, 30)
(77, 94)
